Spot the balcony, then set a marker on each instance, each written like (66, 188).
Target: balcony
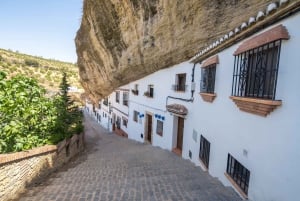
(148, 94)
(179, 88)
(135, 92)
(125, 102)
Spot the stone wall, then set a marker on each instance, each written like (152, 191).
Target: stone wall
(18, 170)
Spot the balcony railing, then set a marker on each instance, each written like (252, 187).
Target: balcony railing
(148, 94)
(125, 102)
(135, 92)
(181, 88)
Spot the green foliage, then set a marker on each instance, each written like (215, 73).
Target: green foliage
(28, 119)
(69, 116)
(52, 68)
(31, 62)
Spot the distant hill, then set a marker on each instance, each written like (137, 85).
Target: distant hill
(48, 72)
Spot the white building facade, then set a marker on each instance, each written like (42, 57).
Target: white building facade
(233, 109)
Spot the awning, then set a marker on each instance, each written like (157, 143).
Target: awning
(177, 109)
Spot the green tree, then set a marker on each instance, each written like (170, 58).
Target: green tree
(27, 117)
(69, 119)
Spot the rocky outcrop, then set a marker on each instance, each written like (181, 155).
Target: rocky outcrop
(122, 41)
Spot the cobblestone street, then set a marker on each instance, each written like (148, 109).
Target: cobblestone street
(115, 168)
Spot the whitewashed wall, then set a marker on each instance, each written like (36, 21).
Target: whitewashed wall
(272, 142)
(118, 108)
(162, 81)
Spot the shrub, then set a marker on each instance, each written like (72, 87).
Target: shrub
(31, 62)
(29, 119)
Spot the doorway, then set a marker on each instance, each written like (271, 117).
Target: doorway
(148, 128)
(180, 128)
(114, 122)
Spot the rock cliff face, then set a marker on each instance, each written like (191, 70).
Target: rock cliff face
(124, 40)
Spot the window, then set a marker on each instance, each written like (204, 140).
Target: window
(159, 127)
(255, 72)
(180, 82)
(150, 92)
(135, 91)
(135, 116)
(208, 74)
(118, 122)
(117, 96)
(125, 98)
(238, 173)
(125, 121)
(204, 151)
(105, 101)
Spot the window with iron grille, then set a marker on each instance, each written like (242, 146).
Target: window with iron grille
(117, 96)
(204, 151)
(135, 116)
(208, 74)
(125, 122)
(105, 101)
(118, 122)
(125, 98)
(150, 92)
(238, 173)
(180, 82)
(135, 91)
(159, 127)
(255, 72)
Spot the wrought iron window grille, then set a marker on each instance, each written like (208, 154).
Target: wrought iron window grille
(208, 75)
(181, 88)
(256, 70)
(238, 173)
(204, 151)
(135, 92)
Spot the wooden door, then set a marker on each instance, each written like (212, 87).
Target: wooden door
(180, 133)
(114, 122)
(149, 128)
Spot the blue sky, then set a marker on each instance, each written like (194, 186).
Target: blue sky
(44, 28)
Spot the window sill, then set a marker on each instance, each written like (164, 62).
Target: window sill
(241, 192)
(208, 97)
(256, 106)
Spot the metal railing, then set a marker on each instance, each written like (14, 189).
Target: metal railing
(181, 88)
(255, 72)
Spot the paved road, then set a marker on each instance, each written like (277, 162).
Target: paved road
(115, 168)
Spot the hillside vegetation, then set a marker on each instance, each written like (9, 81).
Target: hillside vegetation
(30, 119)
(47, 72)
